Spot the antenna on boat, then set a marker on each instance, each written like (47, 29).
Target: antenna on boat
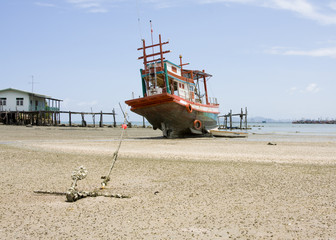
(151, 26)
(139, 23)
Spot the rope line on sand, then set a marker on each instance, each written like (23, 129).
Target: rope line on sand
(115, 154)
(73, 194)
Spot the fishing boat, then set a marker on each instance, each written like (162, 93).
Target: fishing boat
(175, 100)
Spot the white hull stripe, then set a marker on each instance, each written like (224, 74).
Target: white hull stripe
(200, 108)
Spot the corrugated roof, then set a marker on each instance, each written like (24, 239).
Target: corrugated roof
(197, 72)
(30, 93)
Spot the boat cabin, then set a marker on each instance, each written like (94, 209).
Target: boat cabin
(162, 76)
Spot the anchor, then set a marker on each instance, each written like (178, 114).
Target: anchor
(73, 194)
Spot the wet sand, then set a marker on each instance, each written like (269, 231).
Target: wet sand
(194, 188)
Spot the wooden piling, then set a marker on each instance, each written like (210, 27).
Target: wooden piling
(39, 118)
(55, 119)
(245, 117)
(230, 119)
(114, 120)
(101, 119)
(83, 120)
(70, 118)
(241, 118)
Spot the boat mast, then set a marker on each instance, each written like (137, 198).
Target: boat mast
(198, 89)
(155, 78)
(182, 64)
(205, 88)
(147, 62)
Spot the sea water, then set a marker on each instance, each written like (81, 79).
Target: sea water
(283, 128)
(290, 128)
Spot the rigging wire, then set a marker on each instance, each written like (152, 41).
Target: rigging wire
(139, 22)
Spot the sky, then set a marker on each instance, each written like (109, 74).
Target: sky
(275, 57)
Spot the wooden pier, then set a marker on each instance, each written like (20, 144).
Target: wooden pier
(225, 121)
(51, 118)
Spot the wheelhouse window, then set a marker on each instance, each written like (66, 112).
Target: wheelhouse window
(19, 101)
(3, 101)
(174, 69)
(181, 85)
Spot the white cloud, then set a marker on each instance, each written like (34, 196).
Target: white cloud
(312, 88)
(332, 5)
(93, 6)
(321, 13)
(89, 5)
(98, 10)
(41, 4)
(228, 1)
(321, 52)
(276, 50)
(292, 90)
(304, 8)
(163, 3)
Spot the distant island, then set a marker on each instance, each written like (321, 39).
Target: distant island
(302, 121)
(268, 120)
(314, 122)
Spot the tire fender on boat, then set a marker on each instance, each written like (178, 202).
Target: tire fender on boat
(197, 124)
(189, 108)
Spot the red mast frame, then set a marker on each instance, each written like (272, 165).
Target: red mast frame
(145, 56)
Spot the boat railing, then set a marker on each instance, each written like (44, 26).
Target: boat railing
(154, 91)
(213, 101)
(151, 70)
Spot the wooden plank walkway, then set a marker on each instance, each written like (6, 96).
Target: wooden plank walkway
(47, 118)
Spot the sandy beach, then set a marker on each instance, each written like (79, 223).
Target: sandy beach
(193, 188)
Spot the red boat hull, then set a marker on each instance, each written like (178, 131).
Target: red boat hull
(175, 116)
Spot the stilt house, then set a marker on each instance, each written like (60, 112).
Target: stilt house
(17, 100)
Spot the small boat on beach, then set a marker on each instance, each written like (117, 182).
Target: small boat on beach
(228, 134)
(175, 100)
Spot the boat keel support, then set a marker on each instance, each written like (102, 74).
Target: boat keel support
(166, 131)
